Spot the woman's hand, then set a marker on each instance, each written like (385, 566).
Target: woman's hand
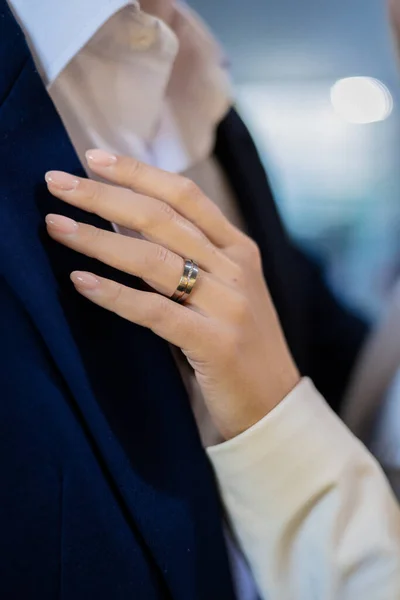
(228, 328)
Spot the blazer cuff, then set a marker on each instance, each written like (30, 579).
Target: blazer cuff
(301, 440)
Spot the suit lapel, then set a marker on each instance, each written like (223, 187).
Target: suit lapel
(26, 267)
(238, 155)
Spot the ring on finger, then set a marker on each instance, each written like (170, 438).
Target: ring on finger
(187, 282)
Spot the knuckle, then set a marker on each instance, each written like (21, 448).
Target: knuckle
(155, 216)
(167, 212)
(142, 222)
(133, 167)
(95, 196)
(209, 246)
(253, 253)
(117, 296)
(93, 238)
(248, 254)
(97, 234)
(161, 255)
(188, 191)
(156, 311)
(90, 195)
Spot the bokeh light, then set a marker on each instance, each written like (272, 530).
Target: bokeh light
(361, 100)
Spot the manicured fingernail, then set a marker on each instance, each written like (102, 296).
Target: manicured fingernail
(100, 158)
(85, 281)
(61, 224)
(62, 181)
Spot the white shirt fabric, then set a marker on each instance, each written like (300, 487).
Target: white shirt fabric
(124, 81)
(307, 503)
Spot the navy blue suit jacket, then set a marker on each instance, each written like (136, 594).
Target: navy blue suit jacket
(105, 490)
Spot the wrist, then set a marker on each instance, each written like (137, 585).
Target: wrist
(278, 382)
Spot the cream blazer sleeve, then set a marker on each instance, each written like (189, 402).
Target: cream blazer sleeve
(309, 505)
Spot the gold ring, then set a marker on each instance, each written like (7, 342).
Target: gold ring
(187, 282)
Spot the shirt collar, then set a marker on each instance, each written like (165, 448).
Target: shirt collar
(57, 29)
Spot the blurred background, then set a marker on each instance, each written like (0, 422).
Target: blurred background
(317, 84)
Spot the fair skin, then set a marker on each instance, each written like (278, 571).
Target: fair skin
(227, 328)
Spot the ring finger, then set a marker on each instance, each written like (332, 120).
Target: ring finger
(153, 263)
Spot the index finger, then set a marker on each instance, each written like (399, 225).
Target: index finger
(178, 191)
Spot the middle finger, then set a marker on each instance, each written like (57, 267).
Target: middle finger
(155, 220)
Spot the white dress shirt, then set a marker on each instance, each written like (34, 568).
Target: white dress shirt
(308, 504)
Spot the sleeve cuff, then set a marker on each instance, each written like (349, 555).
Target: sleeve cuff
(309, 505)
(301, 439)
